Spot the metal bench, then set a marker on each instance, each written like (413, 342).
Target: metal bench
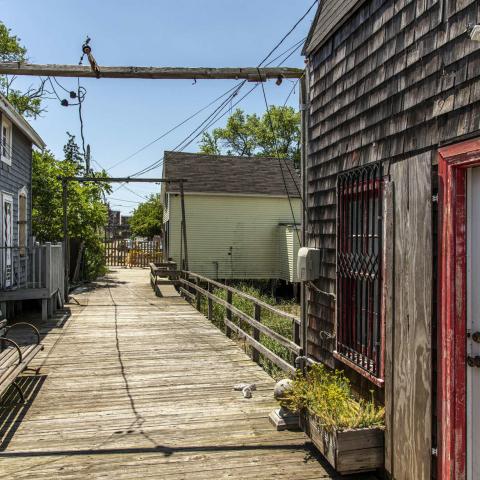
(15, 358)
(165, 272)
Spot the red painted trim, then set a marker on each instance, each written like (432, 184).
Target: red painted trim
(452, 164)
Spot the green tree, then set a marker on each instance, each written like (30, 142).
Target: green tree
(87, 212)
(276, 133)
(147, 218)
(28, 102)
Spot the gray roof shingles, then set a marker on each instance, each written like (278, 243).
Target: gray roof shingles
(231, 174)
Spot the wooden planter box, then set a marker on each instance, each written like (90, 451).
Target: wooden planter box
(349, 451)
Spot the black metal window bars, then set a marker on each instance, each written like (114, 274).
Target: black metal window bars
(359, 270)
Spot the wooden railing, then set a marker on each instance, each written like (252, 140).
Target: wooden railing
(125, 252)
(194, 287)
(37, 266)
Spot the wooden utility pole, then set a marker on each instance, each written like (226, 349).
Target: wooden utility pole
(66, 241)
(184, 227)
(252, 74)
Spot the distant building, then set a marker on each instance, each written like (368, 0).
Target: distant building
(28, 270)
(238, 215)
(114, 217)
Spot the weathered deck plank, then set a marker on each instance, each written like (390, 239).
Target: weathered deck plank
(137, 386)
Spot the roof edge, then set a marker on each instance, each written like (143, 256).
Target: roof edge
(200, 154)
(309, 49)
(305, 49)
(21, 123)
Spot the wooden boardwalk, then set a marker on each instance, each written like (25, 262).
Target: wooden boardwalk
(134, 386)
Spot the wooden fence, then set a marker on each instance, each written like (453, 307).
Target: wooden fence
(125, 252)
(194, 287)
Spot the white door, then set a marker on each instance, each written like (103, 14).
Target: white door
(7, 240)
(473, 323)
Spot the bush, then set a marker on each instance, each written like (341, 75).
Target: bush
(87, 212)
(328, 397)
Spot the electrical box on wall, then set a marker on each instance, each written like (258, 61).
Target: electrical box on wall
(308, 264)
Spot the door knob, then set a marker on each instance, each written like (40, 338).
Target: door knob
(476, 337)
(473, 361)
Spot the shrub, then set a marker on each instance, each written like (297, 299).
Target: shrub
(327, 396)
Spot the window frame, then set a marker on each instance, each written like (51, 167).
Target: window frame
(359, 271)
(6, 158)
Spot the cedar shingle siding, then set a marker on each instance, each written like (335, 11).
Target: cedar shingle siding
(391, 81)
(394, 81)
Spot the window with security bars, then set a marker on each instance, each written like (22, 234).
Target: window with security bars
(359, 267)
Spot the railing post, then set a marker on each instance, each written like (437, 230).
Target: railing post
(228, 330)
(198, 298)
(210, 303)
(256, 333)
(296, 335)
(48, 266)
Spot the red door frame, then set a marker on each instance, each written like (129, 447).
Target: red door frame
(453, 162)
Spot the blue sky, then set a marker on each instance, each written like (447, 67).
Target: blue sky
(121, 116)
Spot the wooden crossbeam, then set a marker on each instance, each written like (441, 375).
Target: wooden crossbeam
(252, 74)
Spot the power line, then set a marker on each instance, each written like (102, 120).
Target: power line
(289, 50)
(217, 111)
(288, 33)
(280, 162)
(124, 200)
(171, 130)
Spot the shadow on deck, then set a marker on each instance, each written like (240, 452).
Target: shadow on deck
(137, 386)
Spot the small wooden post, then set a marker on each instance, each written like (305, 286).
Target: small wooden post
(198, 298)
(44, 309)
(210, 303)
(228, 330)
(48, 267)
(256, 333)
(65, 238)
(297, 338)
(184, 228)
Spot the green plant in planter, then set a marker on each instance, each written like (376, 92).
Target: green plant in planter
(327, 396)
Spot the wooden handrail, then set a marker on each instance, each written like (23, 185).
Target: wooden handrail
(261, 303)
(192, 290)
(293, 347)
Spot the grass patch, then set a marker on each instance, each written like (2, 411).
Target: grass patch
(327, 396)
(279, 324)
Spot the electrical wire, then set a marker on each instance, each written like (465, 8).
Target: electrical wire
(280, 161)
(288, 33)
(290, 52)
(81, 96)
(217, 114)
(163, 135)
(60, 85)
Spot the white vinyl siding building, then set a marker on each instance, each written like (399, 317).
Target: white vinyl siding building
(232, 235)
